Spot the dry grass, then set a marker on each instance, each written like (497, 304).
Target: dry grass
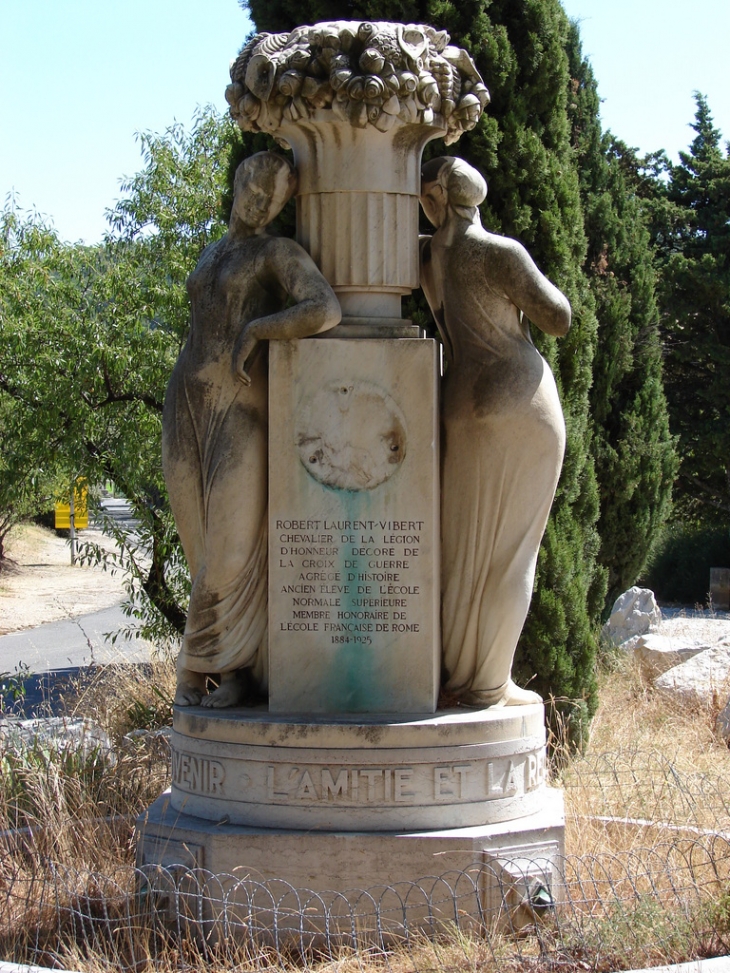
(77, 807)
(645, 883)
(649, 759)
(632, 716)
(123, 698)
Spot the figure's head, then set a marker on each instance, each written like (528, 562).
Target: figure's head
(451, 182)
(262, 185)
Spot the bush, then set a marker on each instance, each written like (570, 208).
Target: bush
(679, 568)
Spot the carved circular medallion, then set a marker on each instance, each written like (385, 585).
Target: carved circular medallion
(351, 435)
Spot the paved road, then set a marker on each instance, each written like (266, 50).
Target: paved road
(119, 510)
(72, 642)
(61, 651)
(57, 650)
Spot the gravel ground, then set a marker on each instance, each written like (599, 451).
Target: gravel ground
(40, 585)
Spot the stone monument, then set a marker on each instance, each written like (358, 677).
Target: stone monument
(349, 776)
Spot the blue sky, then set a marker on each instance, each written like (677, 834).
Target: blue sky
(78, 78)
(649, 56)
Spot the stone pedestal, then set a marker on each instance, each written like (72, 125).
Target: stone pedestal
(353, 526)
(458, 768)
(337, 807)
(247, 880)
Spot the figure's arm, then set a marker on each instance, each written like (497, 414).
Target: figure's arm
(316, 308)
(542, 302)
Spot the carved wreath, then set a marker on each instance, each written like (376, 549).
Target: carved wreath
(365, 73)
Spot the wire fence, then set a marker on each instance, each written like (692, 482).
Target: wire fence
(649, 883)
(599, 912)
(648, 786)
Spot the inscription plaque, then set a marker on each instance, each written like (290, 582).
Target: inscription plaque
(353, 528)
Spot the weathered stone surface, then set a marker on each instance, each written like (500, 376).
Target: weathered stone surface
(658, 653)
(353, 536)
(504, 433)
(701, 678)
(247, 288)
(336, 786)
(356, 103)
(458, 768)
(340, 863)
(364, 74)
(635, 612)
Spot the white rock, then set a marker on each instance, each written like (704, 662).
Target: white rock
(59, 734)
(658, 653)
(701, 677)
(635, 612)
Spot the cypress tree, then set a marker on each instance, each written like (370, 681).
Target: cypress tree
(694, 248)
(632, 446)
(523, 146)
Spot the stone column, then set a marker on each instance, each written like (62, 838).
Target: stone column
(357, 210)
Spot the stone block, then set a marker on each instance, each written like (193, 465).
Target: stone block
(389, 882)
(635, 612)
(353, 526)
(700, 679)
(658, 653)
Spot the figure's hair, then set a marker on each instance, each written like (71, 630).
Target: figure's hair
(261, 161)
(465, 187)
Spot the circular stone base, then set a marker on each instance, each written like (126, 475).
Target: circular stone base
(454, 769)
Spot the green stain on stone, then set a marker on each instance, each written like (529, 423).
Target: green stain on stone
(353, 684)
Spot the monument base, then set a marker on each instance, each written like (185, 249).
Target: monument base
(378, 772)
(287, 823)
(244, 878)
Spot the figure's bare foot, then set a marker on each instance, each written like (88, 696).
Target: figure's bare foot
(507, 695)
(231, 692)
(514, 696)
(190, 687)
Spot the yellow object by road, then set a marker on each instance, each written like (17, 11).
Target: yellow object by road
(81, 510)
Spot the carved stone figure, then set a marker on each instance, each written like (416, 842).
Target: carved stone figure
(356, 102)
(504, 434)
(351, 436)
(215, 426)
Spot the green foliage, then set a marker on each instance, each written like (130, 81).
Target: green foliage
(692, 228)
(27, 483)
(632, 446)
(644, 931)
(679, 569)
(88, 338)
(153, 714)
(12, 689)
